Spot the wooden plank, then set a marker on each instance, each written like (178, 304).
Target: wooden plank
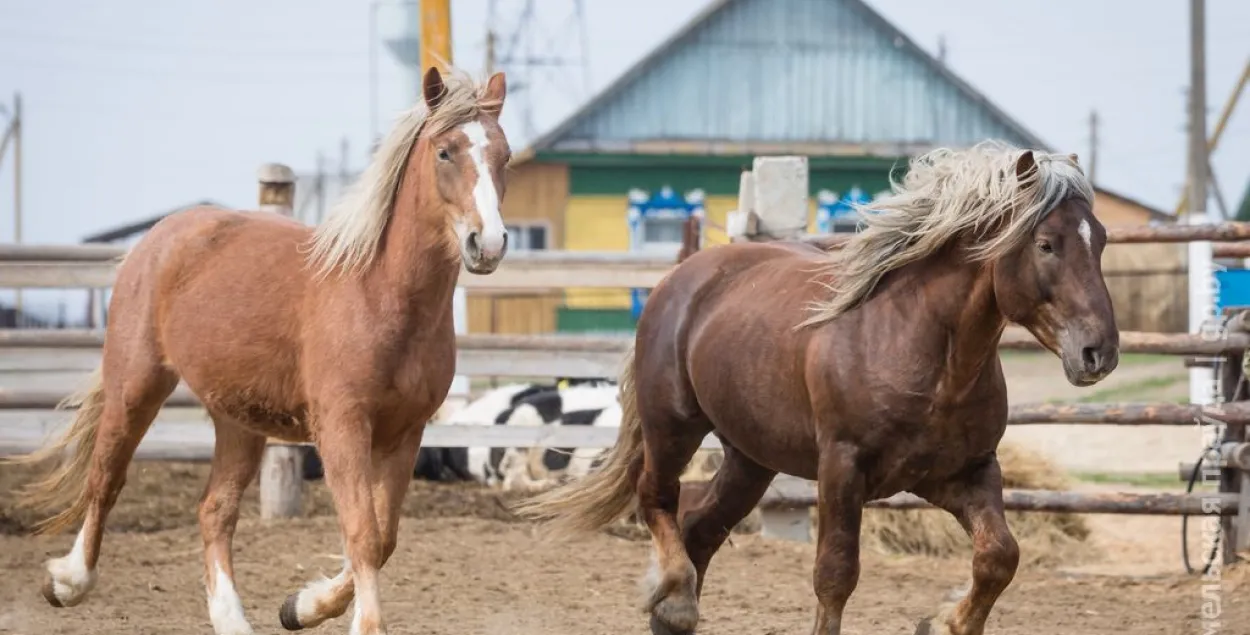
(181, 439)
(1178, 233)
(1014, 338)
(1220, 233)
(48, 399)
(1230, 250)
(61, 253)
(1017, 338)
(518, 271)
(506, 362)
(1130, 413)
(1152, 504)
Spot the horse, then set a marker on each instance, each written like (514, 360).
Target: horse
(341, 335)
(871, 370)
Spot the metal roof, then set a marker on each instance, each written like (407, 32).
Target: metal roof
(831, 76)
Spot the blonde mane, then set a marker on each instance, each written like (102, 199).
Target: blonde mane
(945, 194)
(349, 239)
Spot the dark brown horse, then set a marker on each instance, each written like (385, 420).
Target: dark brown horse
(872, 370)
(342, 336)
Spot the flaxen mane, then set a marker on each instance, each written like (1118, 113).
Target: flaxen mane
(349, 239)
(945, 194)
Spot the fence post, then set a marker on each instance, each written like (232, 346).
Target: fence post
(784, 520)
(277, 189)
(772, 200)
(282, 467)
(1234, 478)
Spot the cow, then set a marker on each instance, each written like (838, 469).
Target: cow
(494, 408)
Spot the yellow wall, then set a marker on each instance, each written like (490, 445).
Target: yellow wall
(536, 194)
(1112, 210)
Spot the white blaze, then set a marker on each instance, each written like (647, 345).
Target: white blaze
(1083, 230)
(484, 194)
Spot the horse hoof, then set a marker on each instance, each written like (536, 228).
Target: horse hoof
(660, 628)
(932, 626)
(288, 615)
(675, 615)
(49, 594)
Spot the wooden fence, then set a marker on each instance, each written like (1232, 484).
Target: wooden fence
(785, 508)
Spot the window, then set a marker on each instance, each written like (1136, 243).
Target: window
(527, 237)
(662, 230)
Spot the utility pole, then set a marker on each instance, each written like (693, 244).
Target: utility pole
(17, 193)
(1220, 124)
(435, 34)
(490, 51)
(1093, 145)
(1201, 302)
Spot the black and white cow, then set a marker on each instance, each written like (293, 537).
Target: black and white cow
(587, 404)
(496, 407)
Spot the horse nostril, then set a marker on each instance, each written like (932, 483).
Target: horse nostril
(505, 243)
(1091, 358)
(474, 249)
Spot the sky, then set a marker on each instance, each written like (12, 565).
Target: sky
(134, 107)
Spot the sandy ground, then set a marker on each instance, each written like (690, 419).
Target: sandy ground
(465, 567)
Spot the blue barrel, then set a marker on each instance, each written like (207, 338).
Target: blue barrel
(1234, 288)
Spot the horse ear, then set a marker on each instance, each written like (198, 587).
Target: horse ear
(1026, 165)
(433, 89)
(496, 91)
(1074, 159)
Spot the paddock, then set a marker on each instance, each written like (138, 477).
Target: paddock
(488, 573)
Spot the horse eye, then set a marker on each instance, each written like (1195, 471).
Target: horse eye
(1045, 246)
(443, 154)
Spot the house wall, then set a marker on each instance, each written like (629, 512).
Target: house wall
(537, 193)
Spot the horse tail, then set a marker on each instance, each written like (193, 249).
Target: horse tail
(65, 486)
(606, 494)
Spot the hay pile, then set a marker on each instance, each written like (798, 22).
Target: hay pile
(1045, 539)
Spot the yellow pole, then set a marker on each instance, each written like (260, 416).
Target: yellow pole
(435, 34)
(1214, 141)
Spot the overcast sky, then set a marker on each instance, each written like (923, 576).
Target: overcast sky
(135, 106)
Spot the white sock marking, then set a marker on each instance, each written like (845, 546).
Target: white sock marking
(484, 194)
(1083, 230)
(71, 580)
(323, 589)
(224, 607)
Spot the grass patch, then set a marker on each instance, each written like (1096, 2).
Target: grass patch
(1126, 359)
(1142, 389)
(1146, 479)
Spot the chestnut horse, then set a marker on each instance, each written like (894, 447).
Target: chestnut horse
(872, 370)
(349, 344)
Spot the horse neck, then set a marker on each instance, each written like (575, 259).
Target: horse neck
(418, 262)
(957, 299)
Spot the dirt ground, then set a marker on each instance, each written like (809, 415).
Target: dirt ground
(464, 566)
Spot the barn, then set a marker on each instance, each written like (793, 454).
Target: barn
(843, 86)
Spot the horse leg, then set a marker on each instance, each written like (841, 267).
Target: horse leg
(126, 409)
(345, 442)
(236, 460)
(329, 597)
(841, 498)
(976, 501)
(736, 489)
(672, 582)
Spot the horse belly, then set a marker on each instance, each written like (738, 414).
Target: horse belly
(269, 417)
